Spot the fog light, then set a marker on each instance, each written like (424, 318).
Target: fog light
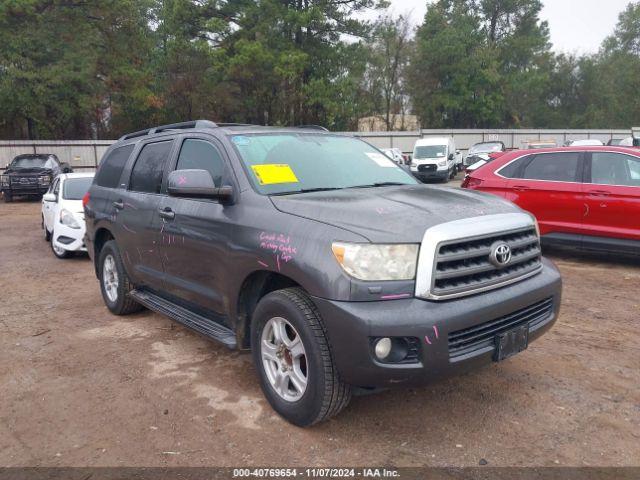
(383, 348)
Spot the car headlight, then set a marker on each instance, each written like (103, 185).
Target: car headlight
(442, 163)
(372, 262)
(67, 218)
(4, 180)
(44, 180)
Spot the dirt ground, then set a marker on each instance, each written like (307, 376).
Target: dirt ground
(81, 387)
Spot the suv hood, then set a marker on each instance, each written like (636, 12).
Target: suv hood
(28, 171)
(392, 214)
(433, 159)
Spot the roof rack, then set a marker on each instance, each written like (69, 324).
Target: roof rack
(171, 126)
(313, 127)
(238, 125)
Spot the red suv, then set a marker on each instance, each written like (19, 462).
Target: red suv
(583, 197)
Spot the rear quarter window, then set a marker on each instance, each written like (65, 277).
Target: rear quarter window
(513, 169)
(112, 165)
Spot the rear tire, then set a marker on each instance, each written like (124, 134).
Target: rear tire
(114, 281)
(324, 394)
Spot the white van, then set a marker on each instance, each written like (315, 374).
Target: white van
(435, 158)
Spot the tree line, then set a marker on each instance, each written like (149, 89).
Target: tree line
(95, 69)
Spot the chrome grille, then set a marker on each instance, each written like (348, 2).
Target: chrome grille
(464, 266)
(24, 180)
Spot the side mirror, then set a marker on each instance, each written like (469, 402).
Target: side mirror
(457, 152)
(451, 157)
(196, 184)
(49, 197)
(66, 168)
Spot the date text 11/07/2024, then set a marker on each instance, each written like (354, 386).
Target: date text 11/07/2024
(315, 473)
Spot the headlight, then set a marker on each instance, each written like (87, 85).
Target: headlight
(4, 179)
(44, 180)
(371, 262)
(442, 163)
(67, 218)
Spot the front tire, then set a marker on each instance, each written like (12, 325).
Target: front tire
(114, 281)
(293, 358)
(47, 233)
(59, 252)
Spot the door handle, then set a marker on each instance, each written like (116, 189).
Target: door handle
(520, 188)
(167, 213)
(119, 205)
(599, 193)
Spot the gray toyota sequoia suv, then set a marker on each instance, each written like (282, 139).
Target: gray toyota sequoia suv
(334, 266)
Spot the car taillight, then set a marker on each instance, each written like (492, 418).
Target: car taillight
(471, 182)
(85, 199)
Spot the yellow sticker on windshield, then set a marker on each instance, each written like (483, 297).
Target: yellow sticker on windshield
(271, 174)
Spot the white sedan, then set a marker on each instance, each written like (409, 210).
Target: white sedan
(63, 214)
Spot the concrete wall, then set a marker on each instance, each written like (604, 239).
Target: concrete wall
(87, 153)
(464, 139)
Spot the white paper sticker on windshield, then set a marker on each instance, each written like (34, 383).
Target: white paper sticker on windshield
(440, 154)
(381, 159)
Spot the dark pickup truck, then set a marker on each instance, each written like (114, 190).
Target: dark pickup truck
(335, 267)
(30, 175)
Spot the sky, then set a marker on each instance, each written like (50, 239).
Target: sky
(576, 26)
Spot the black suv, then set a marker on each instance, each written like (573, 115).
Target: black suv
(333, 265)
(31, 174)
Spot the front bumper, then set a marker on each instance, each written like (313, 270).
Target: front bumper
(70, 239)
(352, 325)
(17, 190)
(431, 174)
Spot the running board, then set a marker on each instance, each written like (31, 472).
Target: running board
(186, 317)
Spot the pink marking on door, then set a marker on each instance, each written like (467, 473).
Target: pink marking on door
(182, 180)
(426, 339)
(435, 330)
(263, 264)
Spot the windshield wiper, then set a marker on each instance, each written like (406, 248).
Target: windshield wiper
(307, 190)
(380, 184)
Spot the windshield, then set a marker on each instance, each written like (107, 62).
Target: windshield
(430, 151)
(293, 162)
(486, 148)
(33, 162)
(75, 188)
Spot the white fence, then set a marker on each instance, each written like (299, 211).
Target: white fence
(87, 153)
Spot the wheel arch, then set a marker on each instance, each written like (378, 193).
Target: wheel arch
(102, 236)
(254, 287)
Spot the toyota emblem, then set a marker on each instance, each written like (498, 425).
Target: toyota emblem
(500, 255)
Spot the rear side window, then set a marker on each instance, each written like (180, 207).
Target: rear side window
(147, 172)
(615, 169)
(512, 169)
(201, 155)
(556, 167)
(112, 165)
